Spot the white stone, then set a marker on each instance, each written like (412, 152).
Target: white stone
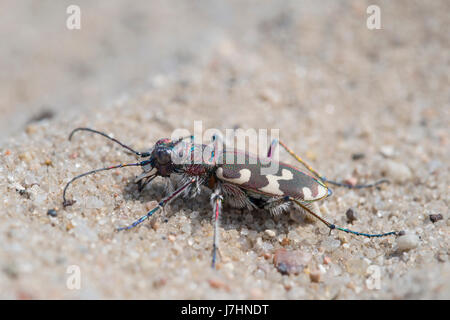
(397, 171)
(407, 242)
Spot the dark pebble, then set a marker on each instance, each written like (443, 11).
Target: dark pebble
(282, 268)
(436, 217)
(52, 212)
(43, 115)
(24, 193)
(351, 215)
(357, 156)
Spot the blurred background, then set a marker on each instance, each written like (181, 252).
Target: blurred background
(358, 104)
(120, 47)
(47, 68)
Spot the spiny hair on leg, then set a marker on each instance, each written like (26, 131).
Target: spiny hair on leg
(235, 197)
(169, 186)
(278, 208)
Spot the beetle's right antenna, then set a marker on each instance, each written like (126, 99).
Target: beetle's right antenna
(339, 184)
(141, 154)
(356, 186)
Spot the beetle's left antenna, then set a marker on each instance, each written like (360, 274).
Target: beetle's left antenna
(142, 154)
(71, 202)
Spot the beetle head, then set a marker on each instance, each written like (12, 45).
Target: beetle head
(161, 157)
(165, 156)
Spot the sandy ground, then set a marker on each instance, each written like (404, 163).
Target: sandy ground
(314, 71)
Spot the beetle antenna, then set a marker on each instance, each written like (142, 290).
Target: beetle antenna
(181, 139)
(71, 202)
(142, 154)
(357, 186)
(339, 184)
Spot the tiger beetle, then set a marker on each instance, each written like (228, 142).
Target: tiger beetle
(241, 184)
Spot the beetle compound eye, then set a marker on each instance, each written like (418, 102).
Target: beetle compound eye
(163, 156)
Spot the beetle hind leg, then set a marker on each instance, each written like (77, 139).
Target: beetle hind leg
(332, 226)
(216, 201)
(276, 206)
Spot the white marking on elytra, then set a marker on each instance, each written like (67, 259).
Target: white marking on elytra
(321, 192)
(244, 176)
(307, 194)
(274, 186)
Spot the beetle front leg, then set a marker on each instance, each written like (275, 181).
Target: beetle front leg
(161, 205)
(216, 201)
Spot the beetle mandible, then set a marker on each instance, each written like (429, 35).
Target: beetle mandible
(242, 184)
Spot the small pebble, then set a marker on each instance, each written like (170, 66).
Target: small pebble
(407, 242)
(256, 294)
(52, 212)
(160, 282)
(73, 155)
(155, 225)
(330, 244)
(343, 238)
(217, 284)
(26, 156)
(69, 226)
(31, 129)
(358, 156)
(442, 257)
(270, 233)
(270, 96)
(314, 276)
(387, 151)
(351, 181)
(356, 265)
(436, 217)
(351, 215)
(326, 260)
(397, 171)
(267, 255)
(290, 262)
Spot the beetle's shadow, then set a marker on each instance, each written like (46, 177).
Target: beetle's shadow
(231, 218)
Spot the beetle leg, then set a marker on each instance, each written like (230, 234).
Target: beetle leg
(160, 206)
(332, 226)
(216, 201)
(142, 183)
(277, 205)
